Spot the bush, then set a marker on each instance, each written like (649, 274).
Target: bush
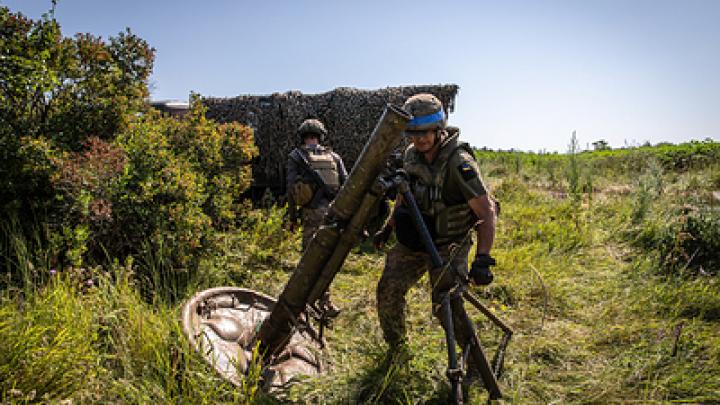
(692, 242)
(686, 239)
(264, 239)
(84, 154)
(56, 92)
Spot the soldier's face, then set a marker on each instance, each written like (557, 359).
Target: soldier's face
(310, 140)
(423, 141)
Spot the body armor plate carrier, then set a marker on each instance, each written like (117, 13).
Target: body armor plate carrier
(450, 223)
(324, 163)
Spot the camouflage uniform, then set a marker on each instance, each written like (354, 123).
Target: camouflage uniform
(403, 269)
(314, 210)
(324, 163)
(459, 181)
(311, 220)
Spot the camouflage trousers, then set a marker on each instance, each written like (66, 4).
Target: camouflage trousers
(311, 220)
(403, 269)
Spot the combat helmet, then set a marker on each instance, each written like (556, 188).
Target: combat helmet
(427, 112)
(312, 126)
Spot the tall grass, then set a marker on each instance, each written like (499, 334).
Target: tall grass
(47, 344)
(612, 310)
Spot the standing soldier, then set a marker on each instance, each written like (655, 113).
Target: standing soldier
(445, 181)
(314, 176)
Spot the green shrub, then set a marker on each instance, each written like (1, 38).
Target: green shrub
(684, 239)
(649, 188)
(57, 91)
(692, 242)
(715, 178)
(109, 176)
(265, 241)
(183, 181)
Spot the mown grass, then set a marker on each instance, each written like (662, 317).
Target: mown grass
(600, 312)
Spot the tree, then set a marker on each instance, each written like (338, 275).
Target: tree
(55, 93)
(601, 145)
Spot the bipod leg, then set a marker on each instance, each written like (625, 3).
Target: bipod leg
(323, 320)
(498, 360)
(499, 357)
(454, 373)
(480, 360)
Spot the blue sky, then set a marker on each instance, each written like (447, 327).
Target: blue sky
(530, 72)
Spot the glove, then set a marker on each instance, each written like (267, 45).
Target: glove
(381, 237)
(480, 271)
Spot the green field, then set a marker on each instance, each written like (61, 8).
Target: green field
(612, 289)
(113, 215)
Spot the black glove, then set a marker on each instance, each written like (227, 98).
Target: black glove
(480, 271)
(381, 237)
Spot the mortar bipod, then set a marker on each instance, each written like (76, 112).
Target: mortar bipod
(488, 374)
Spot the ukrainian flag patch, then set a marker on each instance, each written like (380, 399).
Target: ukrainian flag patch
(467, 171)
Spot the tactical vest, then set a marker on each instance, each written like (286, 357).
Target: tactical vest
(451, 222)
(323, 162)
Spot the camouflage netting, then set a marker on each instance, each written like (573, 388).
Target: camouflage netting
(349, 115)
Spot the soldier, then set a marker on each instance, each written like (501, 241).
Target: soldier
(445, 180)
(314, 176)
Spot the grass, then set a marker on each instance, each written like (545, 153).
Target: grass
(597, 316)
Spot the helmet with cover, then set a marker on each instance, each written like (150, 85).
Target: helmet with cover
(312, 126)
(427, 112)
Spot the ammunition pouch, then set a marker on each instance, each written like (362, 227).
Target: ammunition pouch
(302, 193)
(452, 223)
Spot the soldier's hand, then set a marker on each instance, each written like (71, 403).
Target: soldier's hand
(381, 237)
(480, 272)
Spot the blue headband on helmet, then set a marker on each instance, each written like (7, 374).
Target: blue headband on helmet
(427, 119)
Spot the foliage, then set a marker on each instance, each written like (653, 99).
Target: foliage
(617, 163)
(55, 93)
(46, 351)
(100, 344)
(593, 323)
(573, 169)
(685, 239)
(609, 279)
(264, 236)
(106, 175)
(183, 181)
(648, 189)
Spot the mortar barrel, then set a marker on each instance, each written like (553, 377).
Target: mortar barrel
(348, 239)
(277, 328)
(385, 137)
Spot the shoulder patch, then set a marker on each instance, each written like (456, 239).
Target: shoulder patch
(467, 171)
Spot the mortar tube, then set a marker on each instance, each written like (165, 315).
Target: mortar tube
(348, 239)
(276, 331)
(386, 136)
